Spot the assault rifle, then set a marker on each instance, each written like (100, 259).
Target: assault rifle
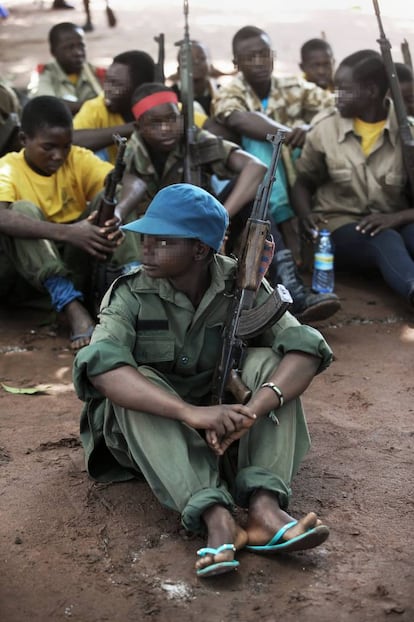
(407, 142)
(159, 75)
(244, 321)
(192, 173)
(198, 150)
(104, 272)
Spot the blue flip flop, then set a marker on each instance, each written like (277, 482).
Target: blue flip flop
(308, 540)
(220, 567)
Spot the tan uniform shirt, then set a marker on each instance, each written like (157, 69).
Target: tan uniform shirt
(52, 80)
(350, 185)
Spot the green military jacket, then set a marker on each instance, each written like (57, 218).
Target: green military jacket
(52, 80)
(145, 321)
(138, 162)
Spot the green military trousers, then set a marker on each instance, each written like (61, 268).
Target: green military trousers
(37, 259)
(184, 473)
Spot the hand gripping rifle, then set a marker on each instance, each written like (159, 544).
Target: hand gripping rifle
(108, 203)
(103, 272)
(407, 142)
(246, 321)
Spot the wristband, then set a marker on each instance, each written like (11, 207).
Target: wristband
(276, 389)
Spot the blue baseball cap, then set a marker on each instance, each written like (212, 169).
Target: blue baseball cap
(184, 211)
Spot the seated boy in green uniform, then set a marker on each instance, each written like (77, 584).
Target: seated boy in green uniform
(69, 76)
(48, 193)
(146, 380)
(156, 152)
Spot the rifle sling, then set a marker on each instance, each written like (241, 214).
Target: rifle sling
(254, 321)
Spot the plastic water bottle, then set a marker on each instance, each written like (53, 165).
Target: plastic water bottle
(323, 279)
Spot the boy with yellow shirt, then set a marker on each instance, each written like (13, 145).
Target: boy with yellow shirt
(111, 112)
(48, 193)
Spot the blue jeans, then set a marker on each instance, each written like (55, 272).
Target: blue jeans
(391, 252)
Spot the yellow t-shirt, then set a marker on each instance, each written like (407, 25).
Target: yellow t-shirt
(94, 115)
(369, 132)
(62, 197)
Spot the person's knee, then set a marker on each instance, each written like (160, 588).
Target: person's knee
(28, 209)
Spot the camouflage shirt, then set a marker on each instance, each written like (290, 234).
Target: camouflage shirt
(138, 162)
(292, 100)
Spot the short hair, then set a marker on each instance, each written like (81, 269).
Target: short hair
(247, 32)
(404, 72)
(149, 88)
(45, 111)
(60, 29)
(141, 66)
(198, 43)
(367, 66)
(314, 45)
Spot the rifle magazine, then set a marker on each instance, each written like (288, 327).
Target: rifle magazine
(254, 321)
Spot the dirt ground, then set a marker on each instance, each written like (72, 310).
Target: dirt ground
(74, 549)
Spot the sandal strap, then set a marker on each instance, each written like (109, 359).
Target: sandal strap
(211, 551)
(278, 535)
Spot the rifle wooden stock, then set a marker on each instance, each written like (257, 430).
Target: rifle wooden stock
(407, 142)
(248, 274)
(244, 319)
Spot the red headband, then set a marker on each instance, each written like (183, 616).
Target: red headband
(156, 99)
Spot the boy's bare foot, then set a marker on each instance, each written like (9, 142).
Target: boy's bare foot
(81, 324)
(266, 518)
(222, 529)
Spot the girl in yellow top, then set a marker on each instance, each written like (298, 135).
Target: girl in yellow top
(352, 178)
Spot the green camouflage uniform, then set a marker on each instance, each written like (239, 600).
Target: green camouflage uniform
(292, 101)
(138, 162)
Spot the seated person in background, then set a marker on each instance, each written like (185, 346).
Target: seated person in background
(110, 112)
(148, 392)
(317, 63)
(156, 154)
(47, 230)
(69, 76)
(10, 110)
(205, 87)
(406, 80)
(255, 103)
(352, 179)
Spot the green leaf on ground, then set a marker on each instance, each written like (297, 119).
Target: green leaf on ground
(25, 390)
